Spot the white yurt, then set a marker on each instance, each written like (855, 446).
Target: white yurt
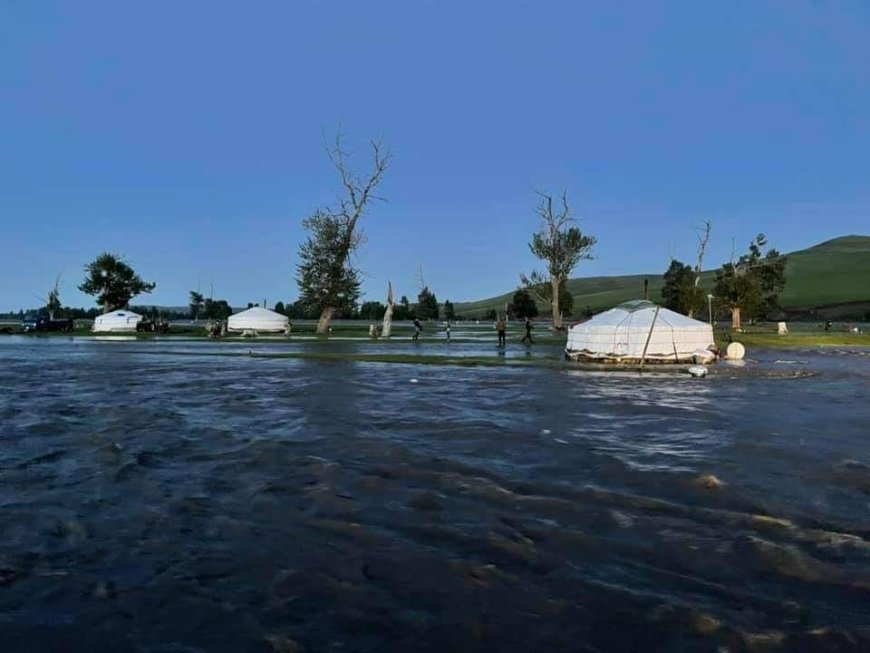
(116, 322)
(620, 335)
(261, 320)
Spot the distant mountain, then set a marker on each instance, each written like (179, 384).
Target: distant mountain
(831, 274)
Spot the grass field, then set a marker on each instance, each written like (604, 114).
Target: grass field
(833, 272)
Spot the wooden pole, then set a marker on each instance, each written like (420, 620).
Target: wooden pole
(648, 337)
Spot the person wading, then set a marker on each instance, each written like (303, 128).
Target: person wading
(500, 328)
(417, 329)
(529, 328)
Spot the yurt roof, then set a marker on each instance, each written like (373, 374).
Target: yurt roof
(259, 314)
(639, 313)
(123, 314)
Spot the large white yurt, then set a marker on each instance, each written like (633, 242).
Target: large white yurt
(116, 322)
(620, 335)
(261, 320)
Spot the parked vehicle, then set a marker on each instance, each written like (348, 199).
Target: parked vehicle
(43, 324)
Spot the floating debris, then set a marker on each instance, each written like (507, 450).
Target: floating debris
(709, 482)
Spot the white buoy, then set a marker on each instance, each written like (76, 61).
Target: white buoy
(413, 380)
(698, 371)
(735, 351)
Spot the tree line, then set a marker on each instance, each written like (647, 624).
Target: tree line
(746, 287)
(328, 278)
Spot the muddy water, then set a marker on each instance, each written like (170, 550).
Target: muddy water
(155, 497)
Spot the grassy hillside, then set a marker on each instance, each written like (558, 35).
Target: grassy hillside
(833, 272)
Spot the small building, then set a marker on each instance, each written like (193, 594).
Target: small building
(116, 322)
(258, 319)
(639, 330)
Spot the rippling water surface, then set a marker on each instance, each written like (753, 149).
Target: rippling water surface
(158, 497)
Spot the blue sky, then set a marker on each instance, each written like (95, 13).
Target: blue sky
(187, 135)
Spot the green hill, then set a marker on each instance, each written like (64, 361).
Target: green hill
(832, 273)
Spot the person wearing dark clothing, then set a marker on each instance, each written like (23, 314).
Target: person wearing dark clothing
(417, 329)
(529, 328)
(500, 328)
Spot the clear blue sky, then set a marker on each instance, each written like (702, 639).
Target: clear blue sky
(187, 135)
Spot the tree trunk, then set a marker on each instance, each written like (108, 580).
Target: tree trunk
(703, 241)
(736, 325)
(554, 303)
(387, 329)
(325, 319)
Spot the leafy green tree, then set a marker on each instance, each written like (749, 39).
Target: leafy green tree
(566, 301)
(295, 311)
(217, 309)
(328, 283)
(195, 303)
(402, 309)
(327, 280)
(427, 305)
(279, 307)
(750, 286)
(523, 304)
(490, 314)
(113, 282)
(561, 245)
(680, 293)
(372, 311)
(449, 311)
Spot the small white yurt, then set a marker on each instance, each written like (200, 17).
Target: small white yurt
(116, 322)
(261, 320)
(620, 335)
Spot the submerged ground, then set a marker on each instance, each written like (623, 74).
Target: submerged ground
(167, 495)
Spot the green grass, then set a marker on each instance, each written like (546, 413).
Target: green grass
(768, 339)
(833, 272)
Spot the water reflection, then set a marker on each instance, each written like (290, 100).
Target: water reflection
(648, 422)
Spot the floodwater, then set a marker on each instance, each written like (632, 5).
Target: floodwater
(155, 497)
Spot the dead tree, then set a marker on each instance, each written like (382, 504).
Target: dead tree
(703, 240)
(387, 329)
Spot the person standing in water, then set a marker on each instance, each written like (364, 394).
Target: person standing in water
(500, 328)
(417, 329)
(529, 328)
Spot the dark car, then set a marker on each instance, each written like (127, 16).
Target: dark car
(43, 324)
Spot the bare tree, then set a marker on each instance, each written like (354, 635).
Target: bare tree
(52, 301)
(325, 288)
(703, 240)
(561, 245)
